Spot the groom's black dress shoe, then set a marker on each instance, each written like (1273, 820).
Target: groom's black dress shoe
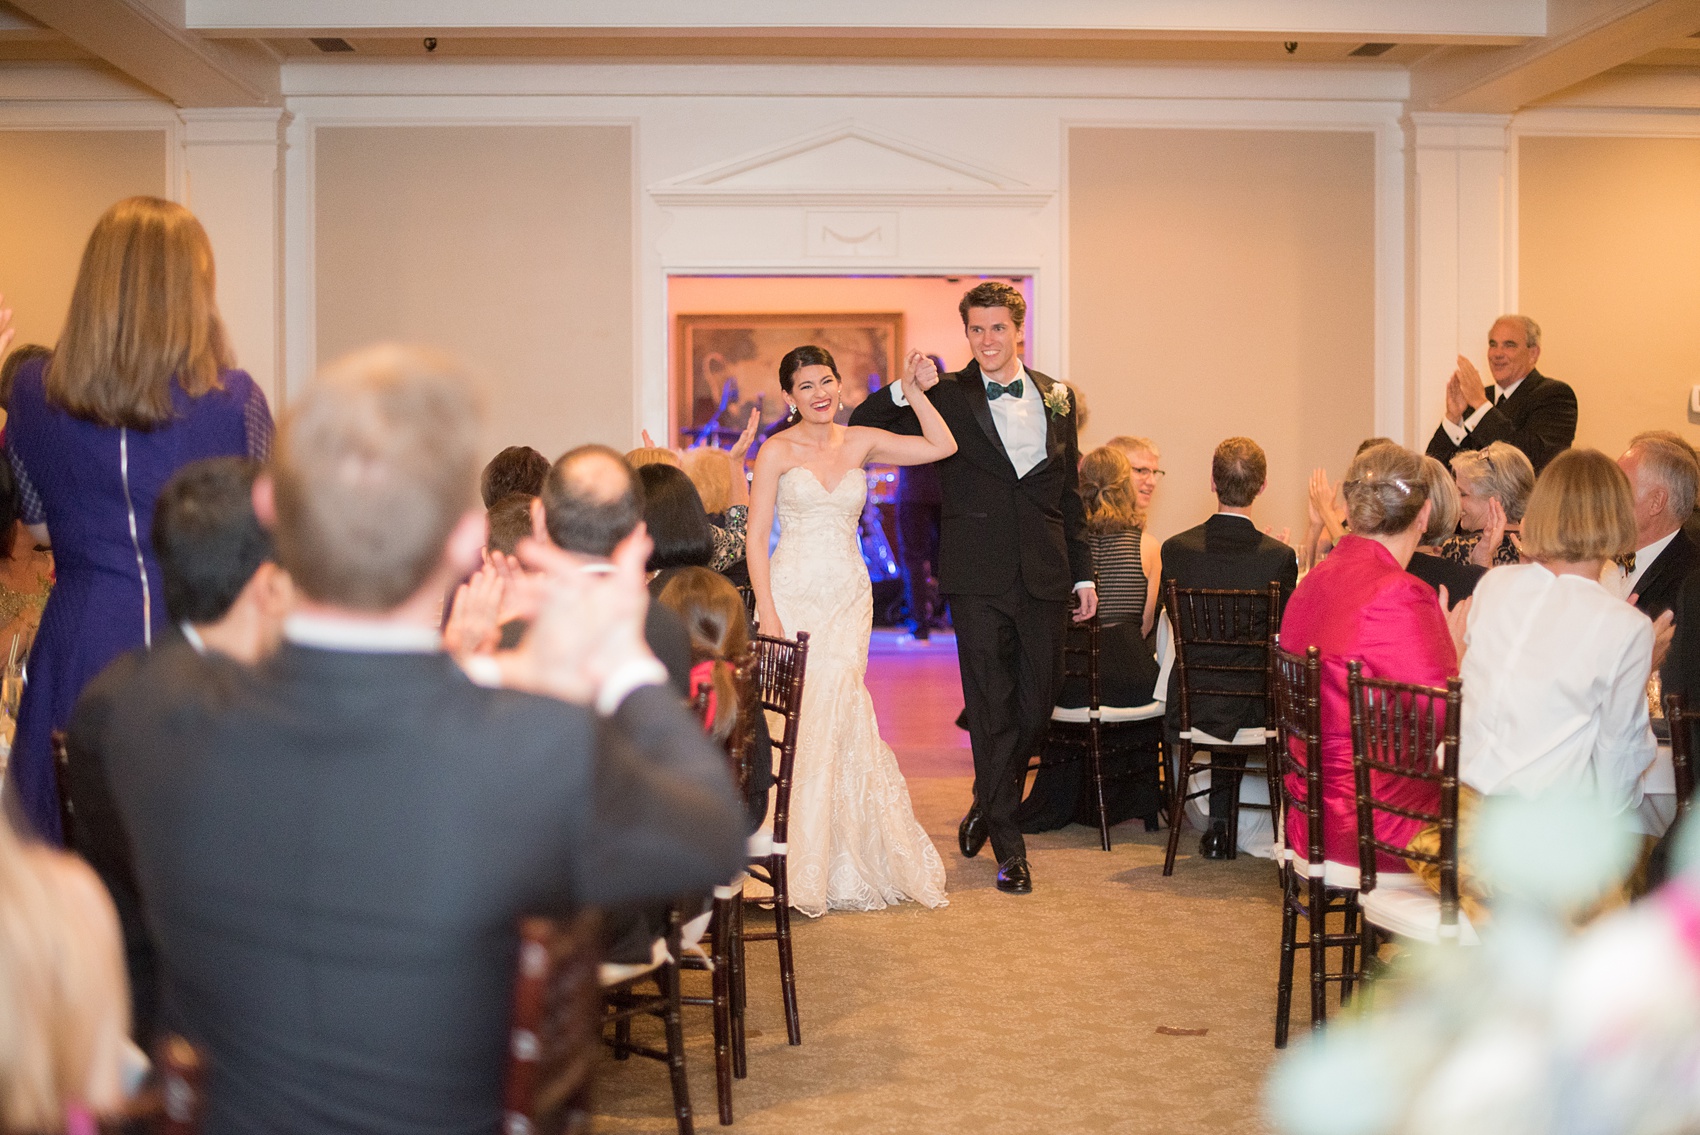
(1014, 878)
(971, 836)
(1214, 845)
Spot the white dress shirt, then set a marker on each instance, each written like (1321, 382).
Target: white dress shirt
(1555, 689)
(1474, 418)
(1623, 583)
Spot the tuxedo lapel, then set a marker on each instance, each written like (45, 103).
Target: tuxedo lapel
(1053, 423)
(974, 390)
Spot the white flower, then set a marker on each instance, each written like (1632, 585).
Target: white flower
(1058, 400)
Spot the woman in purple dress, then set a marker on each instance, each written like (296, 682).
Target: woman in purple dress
(139, 385)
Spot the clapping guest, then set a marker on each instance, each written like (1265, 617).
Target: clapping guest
(64, 1010)
(510, 522)
(1427, 564)
(677, 523)
(140, 384)
(1360, 604)
(1493, 489)
(1555, 667)
(1127, 670)
(721, 482)
(336, 847)
(1663, 478)
(1326, 509)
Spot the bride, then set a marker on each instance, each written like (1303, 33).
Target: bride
(855, 842)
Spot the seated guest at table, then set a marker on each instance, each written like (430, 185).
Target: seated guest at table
(677, 523)
(1127, 670)
(517, 469)
(1326, 520)
(510, 522)
(1427, 564)
(1360, 604)
(1144, 461)
(336, 846)
(591, 508)
(714, 616)
(1663, 478)
(1555, 666)
(652, 455)
(64, 1012)
(1493, 489)
(224, 594)
(720, 481)
(1226, 551)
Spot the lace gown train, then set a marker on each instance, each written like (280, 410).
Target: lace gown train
(855, 842)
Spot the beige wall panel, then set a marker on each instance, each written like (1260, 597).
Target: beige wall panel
(510, 246)
(1221, 283)
(54, 185)
(1609, 265)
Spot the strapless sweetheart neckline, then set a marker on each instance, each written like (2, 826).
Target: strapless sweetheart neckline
(815, 477)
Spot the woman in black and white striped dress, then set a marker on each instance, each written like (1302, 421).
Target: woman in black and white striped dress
(1127, 669)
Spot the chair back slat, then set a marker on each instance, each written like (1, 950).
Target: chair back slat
(1207, 623)
(556, 1033)
(1298, 721)
(1406, 732)
(1682, 722)
(780, 667)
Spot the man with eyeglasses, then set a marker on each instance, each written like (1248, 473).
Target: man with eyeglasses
(1521, 407)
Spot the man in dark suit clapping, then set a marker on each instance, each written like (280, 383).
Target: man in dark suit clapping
(334, 848)
(1227, 551)
(1522, 406)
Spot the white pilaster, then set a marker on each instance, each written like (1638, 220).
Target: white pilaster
(231, 170)
(1459, 251)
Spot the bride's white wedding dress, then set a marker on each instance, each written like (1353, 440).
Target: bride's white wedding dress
(855, 842)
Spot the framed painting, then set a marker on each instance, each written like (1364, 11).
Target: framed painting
(724, 364)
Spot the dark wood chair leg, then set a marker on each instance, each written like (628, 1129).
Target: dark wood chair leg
(1234, 772)
(667, 977)
(1349, 950)
(622, 1031)
(1095, 755)
(740, 1052)
(721, 955)
(1284, 983)
(1177, 804)
(787, 967)
(1318, 926)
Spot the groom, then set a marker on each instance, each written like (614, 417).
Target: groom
(1012, 549)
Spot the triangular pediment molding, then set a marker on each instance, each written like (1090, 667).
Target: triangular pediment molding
(846, 164)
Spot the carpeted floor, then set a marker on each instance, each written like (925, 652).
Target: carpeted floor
(1002, 1014)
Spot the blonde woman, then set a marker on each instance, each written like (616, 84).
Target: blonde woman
(1144, 462)
(1494, 484)
(140, 384)
(1127, 668)
(64, 1007)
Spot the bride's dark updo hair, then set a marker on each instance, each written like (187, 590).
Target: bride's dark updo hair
(799, 357)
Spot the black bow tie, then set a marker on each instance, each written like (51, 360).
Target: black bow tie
(994, 391)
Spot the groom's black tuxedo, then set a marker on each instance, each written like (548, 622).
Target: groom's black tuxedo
(1011, 549)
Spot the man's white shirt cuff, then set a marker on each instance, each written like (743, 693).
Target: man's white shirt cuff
(898, 398)
(620, 684)
(1471, 420)
(1084, 584)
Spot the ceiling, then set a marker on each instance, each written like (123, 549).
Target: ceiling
(1496, 55)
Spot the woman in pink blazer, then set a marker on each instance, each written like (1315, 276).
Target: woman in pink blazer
(1361, 604)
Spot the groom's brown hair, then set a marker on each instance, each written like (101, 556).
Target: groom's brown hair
(994, 293)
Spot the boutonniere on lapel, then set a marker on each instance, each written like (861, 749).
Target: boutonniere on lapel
(1058, 400)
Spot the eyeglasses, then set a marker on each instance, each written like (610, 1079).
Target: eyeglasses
(1144, 471)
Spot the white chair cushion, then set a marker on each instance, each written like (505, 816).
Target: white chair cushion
(1412, 912)
(1246, 736)
(1109, 713)
(760, 845)
(613, 973)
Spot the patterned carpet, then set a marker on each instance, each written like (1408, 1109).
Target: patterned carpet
(1003, 1014)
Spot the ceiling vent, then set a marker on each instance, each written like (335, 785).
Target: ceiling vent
(1371, 50)
(331, 43)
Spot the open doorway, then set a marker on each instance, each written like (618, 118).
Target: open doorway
(728, 334)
